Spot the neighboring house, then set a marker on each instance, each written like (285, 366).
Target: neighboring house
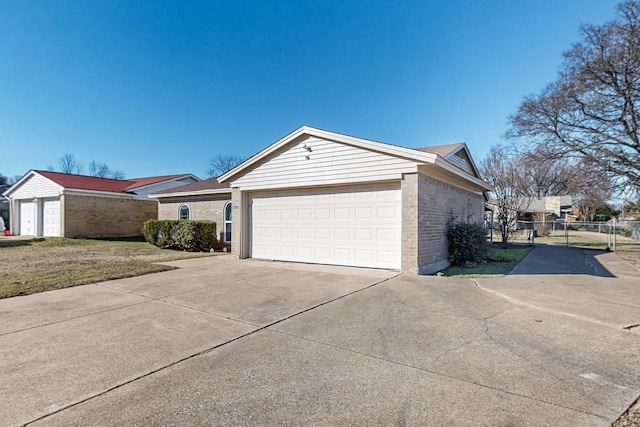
(321, 197)
(549, 207)
(4, 208)
(45, 203)
(202, 200)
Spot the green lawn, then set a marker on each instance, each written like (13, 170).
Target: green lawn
(512, 256)
(38, 265)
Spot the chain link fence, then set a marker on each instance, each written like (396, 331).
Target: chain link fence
(611, 235)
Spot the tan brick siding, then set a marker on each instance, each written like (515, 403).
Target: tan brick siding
(438, 204)
(92, 216)
(409, 186)
(210, 208)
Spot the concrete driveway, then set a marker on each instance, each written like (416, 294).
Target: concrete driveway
(222, 342)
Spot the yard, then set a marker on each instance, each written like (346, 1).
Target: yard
(38, 265)
(497, 262)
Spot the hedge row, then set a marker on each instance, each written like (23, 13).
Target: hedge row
(185, 235)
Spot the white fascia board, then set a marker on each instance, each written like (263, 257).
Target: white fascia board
(360, 181)
(191, 193)
(394, 150)
(82, 192)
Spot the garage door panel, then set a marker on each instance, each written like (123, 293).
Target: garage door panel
(51, 218)
(27, 218)
(344, 226)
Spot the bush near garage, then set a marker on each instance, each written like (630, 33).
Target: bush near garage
(185, 235)
(467, 243)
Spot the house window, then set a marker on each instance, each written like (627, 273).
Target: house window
(227, 222)
(184, 212)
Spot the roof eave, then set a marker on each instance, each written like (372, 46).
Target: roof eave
(191, 193)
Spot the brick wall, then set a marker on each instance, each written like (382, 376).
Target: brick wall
(92, 216)
(210, 208)
(439, 203)
(409, 186)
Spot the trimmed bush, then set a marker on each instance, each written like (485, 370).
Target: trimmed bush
(467, 242)
(186, 235)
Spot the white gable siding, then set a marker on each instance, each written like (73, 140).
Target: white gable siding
(329, 163)
(37, 186)
(143, 192)
(461, 162)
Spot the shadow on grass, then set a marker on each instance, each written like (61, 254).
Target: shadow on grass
(17, 243)
(137, 239)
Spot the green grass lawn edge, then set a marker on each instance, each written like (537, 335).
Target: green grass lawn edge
(513, 254)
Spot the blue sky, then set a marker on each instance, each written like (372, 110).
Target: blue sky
(160, 87)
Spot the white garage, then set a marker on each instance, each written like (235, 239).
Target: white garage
(356, 226)
(316, 196)
(46, 203)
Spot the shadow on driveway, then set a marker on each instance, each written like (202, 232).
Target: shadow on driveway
(554, 259)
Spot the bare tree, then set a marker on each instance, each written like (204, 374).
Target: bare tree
(101, 170)
(500, 168)
(221, 164)
(591, 191)
(592, 112)
(68, 164)
(543, 174)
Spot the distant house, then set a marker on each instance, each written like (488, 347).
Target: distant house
(45, 203)
(202, 200)
(549, 207)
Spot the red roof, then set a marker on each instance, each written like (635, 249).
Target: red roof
(83, 182)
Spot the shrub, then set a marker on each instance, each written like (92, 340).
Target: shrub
(186, 235)
(467, 242)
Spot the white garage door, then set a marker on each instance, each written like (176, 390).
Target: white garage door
(27, 218)
(355, 226)
(51, 218)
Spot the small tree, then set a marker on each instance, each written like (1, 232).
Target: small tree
(502, 171)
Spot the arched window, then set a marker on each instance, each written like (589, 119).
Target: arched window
(184, 212)
(227, 222)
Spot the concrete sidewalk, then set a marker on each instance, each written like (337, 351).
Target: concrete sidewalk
(224, 342)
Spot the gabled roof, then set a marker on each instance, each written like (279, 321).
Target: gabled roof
(92, 183)
(207, 186)
(422, 156)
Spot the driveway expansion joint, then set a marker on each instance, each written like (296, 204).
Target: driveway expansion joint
(202, 352)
